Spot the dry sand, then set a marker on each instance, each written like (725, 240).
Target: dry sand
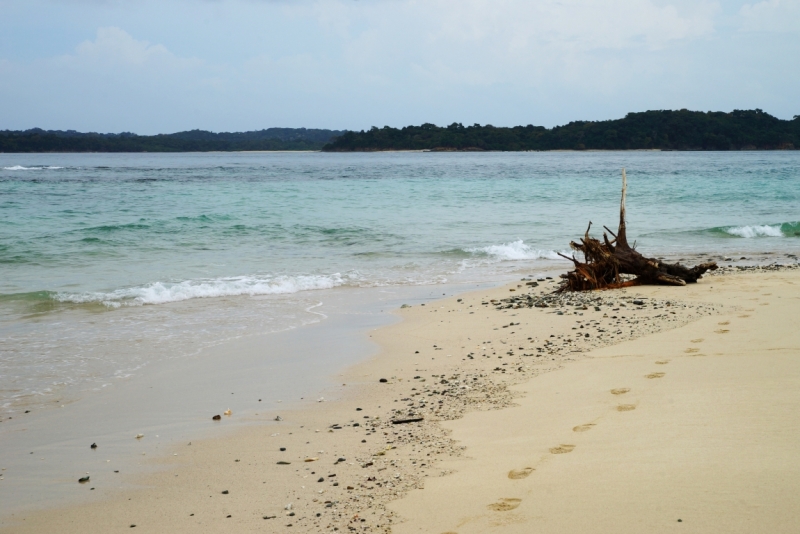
(680, 414)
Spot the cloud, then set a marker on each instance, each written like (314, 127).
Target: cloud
(243, 64)
(771, 16)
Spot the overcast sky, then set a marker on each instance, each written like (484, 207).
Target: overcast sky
(150, 66)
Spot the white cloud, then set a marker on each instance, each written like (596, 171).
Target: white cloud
(771, 16)
(115, 47)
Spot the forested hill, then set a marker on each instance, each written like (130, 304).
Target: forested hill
(669, 130)
(37, 140)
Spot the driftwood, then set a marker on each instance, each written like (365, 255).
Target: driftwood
(605, 262)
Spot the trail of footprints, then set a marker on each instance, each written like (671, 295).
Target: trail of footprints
(507, 504)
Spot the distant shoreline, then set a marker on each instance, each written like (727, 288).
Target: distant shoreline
(409, 151)
(664, 130)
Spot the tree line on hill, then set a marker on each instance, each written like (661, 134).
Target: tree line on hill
(666, 130)
(37, 140)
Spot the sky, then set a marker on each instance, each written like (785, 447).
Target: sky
(148, 66)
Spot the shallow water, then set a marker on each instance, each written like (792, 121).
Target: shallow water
(111, 262)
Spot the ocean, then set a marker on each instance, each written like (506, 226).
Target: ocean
(114, 262)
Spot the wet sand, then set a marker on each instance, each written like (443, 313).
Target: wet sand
(622, 411)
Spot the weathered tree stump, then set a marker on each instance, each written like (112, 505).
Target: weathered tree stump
(605, 262)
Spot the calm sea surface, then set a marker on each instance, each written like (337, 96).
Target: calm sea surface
(109, 262)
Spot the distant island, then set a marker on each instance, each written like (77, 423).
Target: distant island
(654, 130)
(665, 130)
(37, 140)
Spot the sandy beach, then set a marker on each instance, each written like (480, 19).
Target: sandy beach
(648, 409)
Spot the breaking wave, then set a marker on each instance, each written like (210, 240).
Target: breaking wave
(21, 168)
(164, 292)
(516, 250)
(787, 229)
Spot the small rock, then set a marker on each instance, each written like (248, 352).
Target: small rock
(283, 449)
(217, 417)
(93, 446)
(225, 492)
(382, 380)
(283, 463)
(84, 480)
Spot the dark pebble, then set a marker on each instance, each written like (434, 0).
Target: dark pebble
(680, 520)
(321, 479)
(132, 526)
(93, 445)
(225, 492)
(217, 417)
(383, 380)
(283, 449)
(358, 409)
(83, 480)
(227, 517)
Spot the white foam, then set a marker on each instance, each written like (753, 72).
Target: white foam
(516, 250)
(21, 168)
(756, 231)
(163, 292)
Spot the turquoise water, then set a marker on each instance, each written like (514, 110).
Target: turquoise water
(111, 261)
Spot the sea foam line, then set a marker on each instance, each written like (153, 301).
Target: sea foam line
(164, 292)
(756, 231)
(21, 168)
(515, 250)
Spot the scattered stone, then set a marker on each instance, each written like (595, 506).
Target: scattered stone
(84, 480)
(217, 417)
(225, 492)
(382, 380)
(93, 446)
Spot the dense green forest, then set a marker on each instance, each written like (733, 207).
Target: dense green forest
(37, 140)
(666, 130)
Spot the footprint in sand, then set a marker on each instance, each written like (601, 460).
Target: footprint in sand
(744, 316)
(620, 391)
(691, 351)
(562, 449)
(662, 362)
(504, 505)
(655, 375)
(517, 474)
(583, 428)
(626, 407)
(721, 331)
(723, 323)
(698, 340)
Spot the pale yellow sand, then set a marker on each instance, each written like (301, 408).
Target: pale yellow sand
(708, 436)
